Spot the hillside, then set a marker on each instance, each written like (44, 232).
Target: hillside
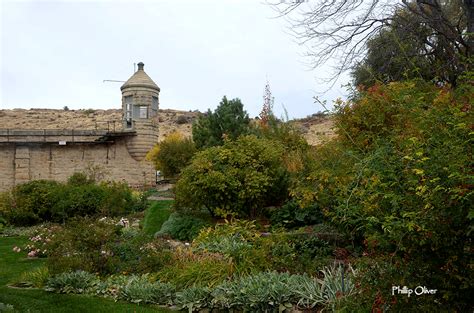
(315, 128)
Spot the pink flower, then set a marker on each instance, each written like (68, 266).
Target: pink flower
(16, 249)
(32, 254)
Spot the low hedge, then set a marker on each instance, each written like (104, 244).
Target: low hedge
(42, 201)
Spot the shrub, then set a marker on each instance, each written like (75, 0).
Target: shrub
(308, 291)
(39, 240)
(228, 121)
(291, 215)
(72, 282)
(31, 203)
(240, 177)
(172, 154)
(272, 291)
(80, 245)
(3, 222)
(83, 200)
(238, 241)
(242, 243)
(110, 286)
(182, 227)
(396, 180)
(139, 289)
(80, 179)
(242, 230)
(377, 274)
(48, 201)
(119, 199)
(99, 247)
(137, 254)
(194, 298)
(268, 291)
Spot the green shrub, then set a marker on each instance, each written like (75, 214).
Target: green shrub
(311, 245)
(80, 179)
(138, 254)
(238, 241)
(119, 199)
(72, 282)
(99, 247)
(194, 298)
(83, 200)
(250, 252)
(110, 286)
(80, 245)
(268, 292)
(139, 289)
(232, 245)
(3, 222)
(264, 291)
(240, 177)
(291, 215)
(278, 292)
(308, 291)
(48, 201)
(31, 203)
(182, 227)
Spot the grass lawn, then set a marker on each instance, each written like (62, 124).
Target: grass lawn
(12, 264)
(156, 215)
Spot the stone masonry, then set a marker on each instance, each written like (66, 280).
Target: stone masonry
(118, 154)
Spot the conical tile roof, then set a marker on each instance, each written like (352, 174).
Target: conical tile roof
(140, 79)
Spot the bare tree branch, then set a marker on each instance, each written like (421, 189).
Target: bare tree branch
(339, 29)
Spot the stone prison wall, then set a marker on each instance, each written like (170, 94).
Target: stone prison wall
(22, 162)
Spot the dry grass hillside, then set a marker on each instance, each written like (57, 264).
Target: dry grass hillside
(170, 120)
(315, 128)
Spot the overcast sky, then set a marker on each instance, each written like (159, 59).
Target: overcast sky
(57, 53)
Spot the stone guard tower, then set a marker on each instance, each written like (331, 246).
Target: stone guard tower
(140, 101)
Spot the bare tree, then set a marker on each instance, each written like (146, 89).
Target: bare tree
(339, 29)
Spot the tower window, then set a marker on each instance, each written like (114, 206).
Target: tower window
(128, 111)
(154, 104)
(143, 112)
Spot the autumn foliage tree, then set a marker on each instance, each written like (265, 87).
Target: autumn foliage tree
(398, 180)
(172, 154)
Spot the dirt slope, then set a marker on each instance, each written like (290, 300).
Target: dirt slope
(315, 128)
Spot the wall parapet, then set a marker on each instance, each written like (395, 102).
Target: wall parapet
(56, 135)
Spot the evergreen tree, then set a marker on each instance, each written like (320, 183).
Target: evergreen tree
(228, 121)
